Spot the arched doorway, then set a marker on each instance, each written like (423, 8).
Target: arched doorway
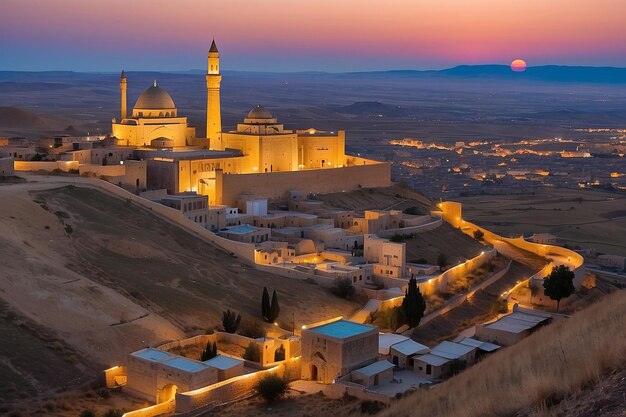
(313, 372)
(167, 393)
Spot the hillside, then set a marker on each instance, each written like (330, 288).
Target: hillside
(16, 117)
(116, 280)
(561, 370)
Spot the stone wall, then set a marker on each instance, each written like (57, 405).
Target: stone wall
(235, 387)
(277, 184)
(48, 166)
(452, 213)
(461, 298)
(411, 230)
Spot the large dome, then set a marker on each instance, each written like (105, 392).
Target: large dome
(259, 112)
(155, 98)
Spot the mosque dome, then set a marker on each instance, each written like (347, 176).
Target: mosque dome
(155, 98)
(259, 112)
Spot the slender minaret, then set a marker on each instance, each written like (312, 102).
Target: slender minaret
(213, 111)
(123, 87)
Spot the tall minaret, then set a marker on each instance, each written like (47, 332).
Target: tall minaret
(213, 111)
(123, 87)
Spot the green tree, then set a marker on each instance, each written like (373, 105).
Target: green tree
(209, 352)
(271, 387)
(413, 305)
(252, 353)
(230, 321)
(274, 308)
(344, 287)
(265, 305)
(442, 261)
(559, 284)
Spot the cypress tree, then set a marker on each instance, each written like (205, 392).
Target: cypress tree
(265, 305)
(275, 307)
(209, 352)
(413, 305)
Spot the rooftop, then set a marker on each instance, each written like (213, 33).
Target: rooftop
(152, 354)
(342, 329)
(451, 350)
(375, 368)
(485, 346)
(409, 347)
(432, 359)
(240, 229)
(516, 322)
(223, 362)
(385, 340)
(184, 364)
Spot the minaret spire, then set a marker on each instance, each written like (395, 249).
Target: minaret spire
(123, 87)
(213, 108)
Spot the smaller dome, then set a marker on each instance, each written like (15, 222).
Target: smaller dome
(259, 112)
(155, 98)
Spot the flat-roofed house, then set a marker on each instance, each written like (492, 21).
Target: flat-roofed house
(373, 374)
(432, 366)
(513, 327)
(156, 375)
(226, 366)
(333, 349)
(399, 349)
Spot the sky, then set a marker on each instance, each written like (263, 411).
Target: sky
(308, 35)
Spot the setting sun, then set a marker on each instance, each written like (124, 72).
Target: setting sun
(519, 65)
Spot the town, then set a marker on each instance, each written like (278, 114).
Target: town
(271, 199)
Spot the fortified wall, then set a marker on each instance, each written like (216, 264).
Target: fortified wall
(364, 173)
(453, 214)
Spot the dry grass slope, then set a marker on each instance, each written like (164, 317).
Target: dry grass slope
(534, 376)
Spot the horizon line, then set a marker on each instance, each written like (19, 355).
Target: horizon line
(194, 70)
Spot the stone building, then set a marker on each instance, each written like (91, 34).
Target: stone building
(333, 349)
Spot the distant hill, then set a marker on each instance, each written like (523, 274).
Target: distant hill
(16, 117)
(546, 73)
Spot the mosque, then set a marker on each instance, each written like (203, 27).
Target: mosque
(258, 156)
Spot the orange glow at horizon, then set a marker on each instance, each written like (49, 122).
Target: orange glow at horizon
(279, 33)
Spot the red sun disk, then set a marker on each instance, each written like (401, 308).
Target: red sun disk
(518, 65)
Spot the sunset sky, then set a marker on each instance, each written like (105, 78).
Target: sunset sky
(296, 35)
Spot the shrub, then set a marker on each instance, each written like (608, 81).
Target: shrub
(412, 210)
(252, 353)
(344, 288)
(272, 387)
(230, 321)
(371, 407)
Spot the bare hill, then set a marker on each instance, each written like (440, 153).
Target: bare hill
(16, 117)
(87, 278)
